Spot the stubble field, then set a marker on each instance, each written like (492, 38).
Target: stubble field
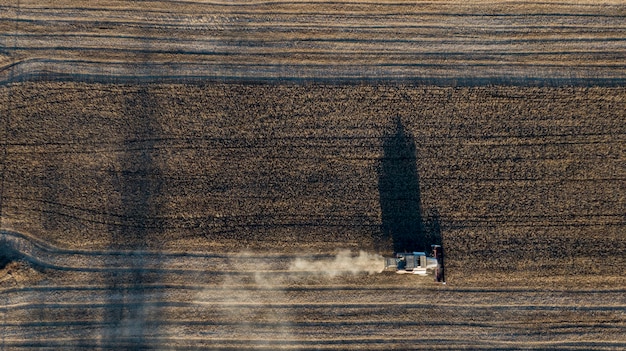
(199, 175)
(435, 42)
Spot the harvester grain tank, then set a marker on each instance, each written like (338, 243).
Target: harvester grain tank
(411, 262)
(418, 263)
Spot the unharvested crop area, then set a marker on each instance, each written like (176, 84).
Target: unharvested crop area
(187, 175)
(147, 193)
(519, 179)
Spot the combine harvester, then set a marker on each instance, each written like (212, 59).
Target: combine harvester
(418, 263)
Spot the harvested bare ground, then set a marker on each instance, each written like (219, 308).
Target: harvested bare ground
(188, 175)
(436, 42)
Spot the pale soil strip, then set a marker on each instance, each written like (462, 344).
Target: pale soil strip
(300, 325)
(306, 40)
(326, 305)
(442, 342)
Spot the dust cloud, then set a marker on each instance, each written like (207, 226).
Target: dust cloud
(343, 263)
(248, 304)
(246, 310)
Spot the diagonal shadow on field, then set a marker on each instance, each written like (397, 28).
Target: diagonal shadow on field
(131, 318)
(400, 198)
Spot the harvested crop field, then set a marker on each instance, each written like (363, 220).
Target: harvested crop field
(207, 175)
(233, 302)
(437, 42)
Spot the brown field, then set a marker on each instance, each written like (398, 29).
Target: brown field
(441, 41)
(184, 175)
(181, 178)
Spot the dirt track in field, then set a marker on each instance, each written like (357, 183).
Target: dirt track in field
(187, 175)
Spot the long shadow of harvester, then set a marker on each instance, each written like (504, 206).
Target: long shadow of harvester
(131, 318)
(400, 198)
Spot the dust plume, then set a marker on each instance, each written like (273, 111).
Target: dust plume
(245, 306)
(343, 263)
